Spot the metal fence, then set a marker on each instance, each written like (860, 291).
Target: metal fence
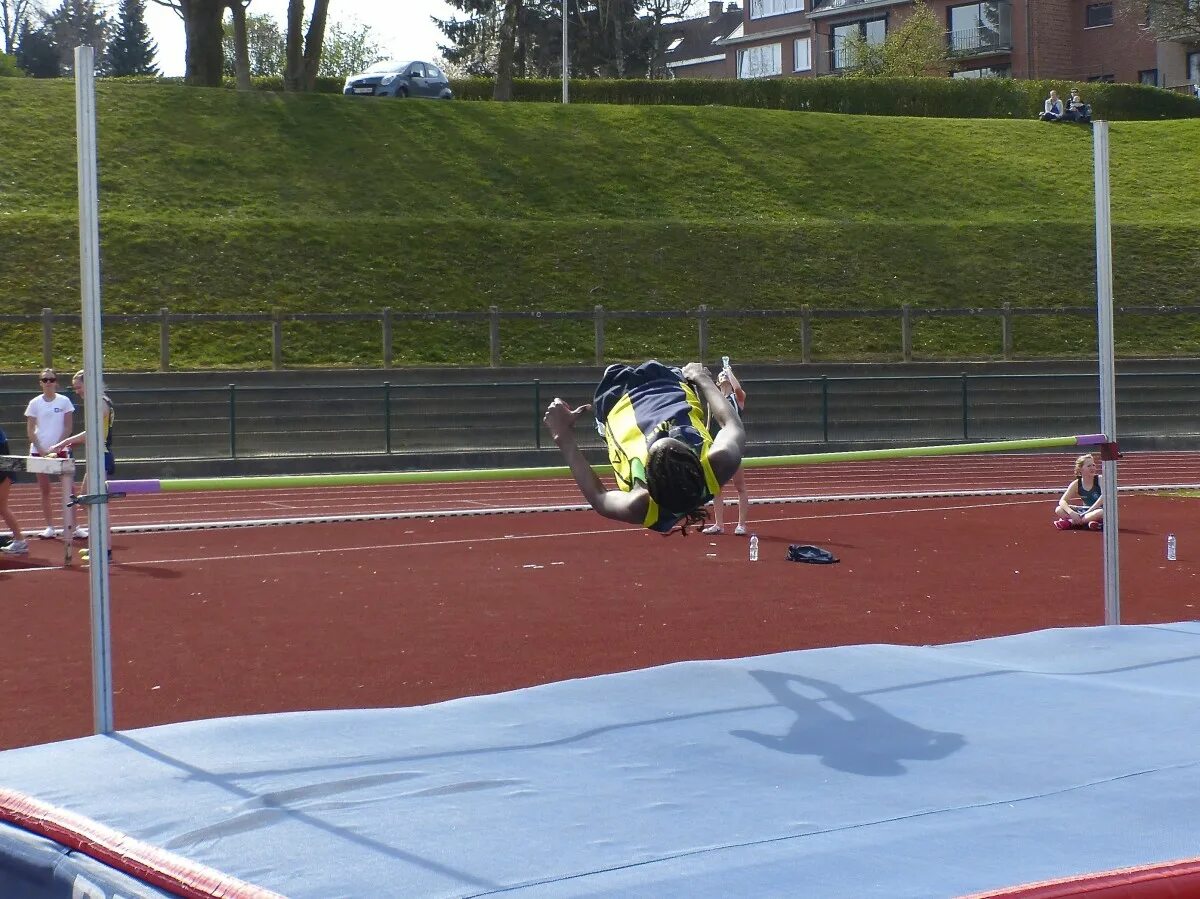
(905, 319)
(242, 422)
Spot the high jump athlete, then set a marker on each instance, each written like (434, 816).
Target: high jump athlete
(667, 465)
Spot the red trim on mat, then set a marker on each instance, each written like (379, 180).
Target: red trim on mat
(1165, 880)
(147, 863)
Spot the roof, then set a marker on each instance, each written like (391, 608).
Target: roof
(696, 36)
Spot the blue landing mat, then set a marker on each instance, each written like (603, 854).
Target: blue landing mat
(864, 771)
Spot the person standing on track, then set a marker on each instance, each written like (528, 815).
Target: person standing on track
(667, 465)
(1082, 505)
(16, 545)
(91, 485)
(48, 419)
(735, 396)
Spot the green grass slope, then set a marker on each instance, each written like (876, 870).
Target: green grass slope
(214, 201)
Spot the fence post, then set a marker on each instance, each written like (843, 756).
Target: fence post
(387, 417)
(233, 421)
(276, 340)
(806, 333)
(537, 413)
(164, 339)
(1006, 337)
(47, 338)
(965, 408)
(494, 335)
(824, 408)
(906, 332)
(598, 319)
(702, 336)
(387, 337)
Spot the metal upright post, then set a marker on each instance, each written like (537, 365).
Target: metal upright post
(93, 360)
(566, 56)
(1108, 389)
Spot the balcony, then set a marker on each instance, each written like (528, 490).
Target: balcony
(823, 8)
(980, 41)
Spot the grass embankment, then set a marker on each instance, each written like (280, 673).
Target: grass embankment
(214, 201)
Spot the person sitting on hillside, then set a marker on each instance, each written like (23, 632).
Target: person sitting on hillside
(1077, 110)
(667, 465)
(1053, 111)
(1082, 504)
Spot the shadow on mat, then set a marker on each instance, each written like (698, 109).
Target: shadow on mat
(844, 730)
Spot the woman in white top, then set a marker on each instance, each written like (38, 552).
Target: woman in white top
(732, 390)
(48, 419)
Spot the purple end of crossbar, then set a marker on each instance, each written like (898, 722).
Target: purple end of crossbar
(147, 486)
(1090, 440)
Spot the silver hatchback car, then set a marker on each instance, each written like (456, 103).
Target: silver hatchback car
(398, 78)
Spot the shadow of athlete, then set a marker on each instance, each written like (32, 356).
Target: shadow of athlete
(845, 731)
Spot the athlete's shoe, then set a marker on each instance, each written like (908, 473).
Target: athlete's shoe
(81, 533)
(15, 548)
(713, 529)
(1062, 524)
(1095, 525)
(50, 533)
(740, 530)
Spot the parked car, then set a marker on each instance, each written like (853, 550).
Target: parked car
(396, 78)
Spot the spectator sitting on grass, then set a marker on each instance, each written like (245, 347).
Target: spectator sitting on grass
(1053, 111)
(1077, 110)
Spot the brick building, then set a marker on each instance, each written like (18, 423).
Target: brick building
(1072, 40)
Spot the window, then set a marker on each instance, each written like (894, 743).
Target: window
(761, 9)
(433, 71)
(1193, 68)
(1148, 76)
(760, 62)
(674, 45)
(874, 31)
(985, 72)
(1098, 15)
(980, 27)
(1107, 79)
(803, 54)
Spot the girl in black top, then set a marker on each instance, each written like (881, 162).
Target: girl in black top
(1081, 505)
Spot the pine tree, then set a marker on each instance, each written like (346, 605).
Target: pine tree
(80, 23)
(36, 53)
(131, 51)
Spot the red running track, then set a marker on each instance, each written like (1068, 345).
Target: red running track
(408, 611)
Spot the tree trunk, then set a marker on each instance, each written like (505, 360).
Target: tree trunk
(293, 63)
(203, 59)
(314, 42)
(241, 51)
(508, 41)
(618, 37)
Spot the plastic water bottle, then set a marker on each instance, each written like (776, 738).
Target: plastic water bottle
(725, 363)
(754, 547)
(1170, 547)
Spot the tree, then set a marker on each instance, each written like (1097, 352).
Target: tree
(917, 47)
(9, 67)
(657, 12)
(348, 49)
(303, 52)
(1170, 20)
(502, 90)
(13, 16)
(36, 53)
(76, 23)
(202, 34)
(264, 46)
(131, 51)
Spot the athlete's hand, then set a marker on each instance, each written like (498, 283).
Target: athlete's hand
(694, 371)
(560, 417)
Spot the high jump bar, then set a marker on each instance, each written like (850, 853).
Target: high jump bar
(372, 479)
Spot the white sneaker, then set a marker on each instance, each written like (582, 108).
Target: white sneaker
(713, 529)
(15, 548)
(49, 534)
(81, 533)
(740, 530)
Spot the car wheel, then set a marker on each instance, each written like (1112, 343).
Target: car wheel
(402, 93)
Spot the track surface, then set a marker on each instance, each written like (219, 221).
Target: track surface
(402, 611)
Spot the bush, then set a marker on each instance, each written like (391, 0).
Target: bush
(982, 98)
(9, 67)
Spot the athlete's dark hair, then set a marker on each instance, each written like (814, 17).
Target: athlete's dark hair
(675, 480)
